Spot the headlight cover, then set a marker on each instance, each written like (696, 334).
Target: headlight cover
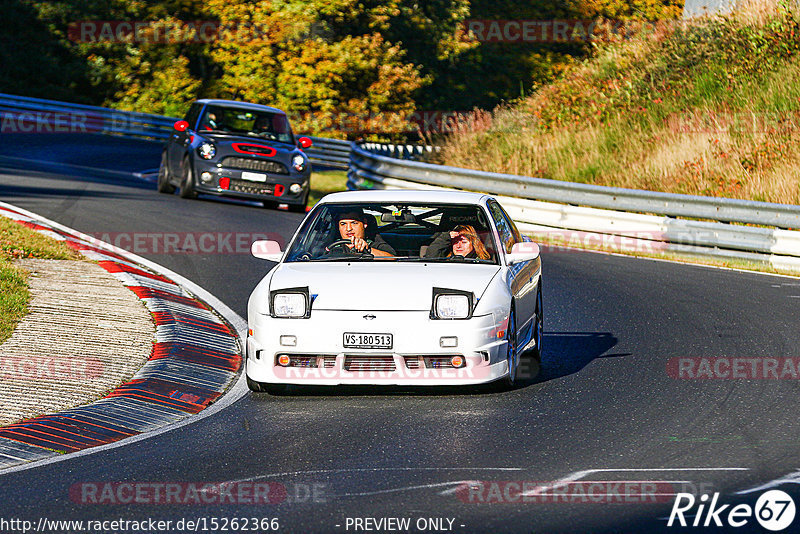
(299, 162)
(290, 303)
(207, 150)
(451, 304)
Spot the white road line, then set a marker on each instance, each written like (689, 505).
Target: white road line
(369, 469)
(791, 478)
(458, 484)
(234, 393)
(578, 475)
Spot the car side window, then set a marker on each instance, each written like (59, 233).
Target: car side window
(505, 226)
(192, 115)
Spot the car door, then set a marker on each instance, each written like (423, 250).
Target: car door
(521, 276)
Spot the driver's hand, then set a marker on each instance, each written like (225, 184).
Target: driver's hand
(358, 244)
(453, 234)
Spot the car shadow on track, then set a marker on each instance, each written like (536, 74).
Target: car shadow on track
(566, 353)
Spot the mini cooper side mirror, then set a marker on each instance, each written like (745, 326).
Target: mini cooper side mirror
(304, 142)
(521, 252)
(266, 250)
(180, 125)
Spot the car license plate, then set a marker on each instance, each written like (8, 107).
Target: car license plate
(354, 340)
(254, 176)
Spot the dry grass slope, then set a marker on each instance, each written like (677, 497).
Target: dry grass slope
(708, 107)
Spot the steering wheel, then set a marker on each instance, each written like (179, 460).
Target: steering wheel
(342, 243)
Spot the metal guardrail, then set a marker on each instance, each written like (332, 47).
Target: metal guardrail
(407, 152)
(599, 212)
(30, 115)
(330, 152)
(27, 115)
(367, 165)
(538, 204)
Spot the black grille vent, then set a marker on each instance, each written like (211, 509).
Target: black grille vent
(251, 164)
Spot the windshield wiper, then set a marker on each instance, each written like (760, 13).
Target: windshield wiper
(346, 258)
(451, 259)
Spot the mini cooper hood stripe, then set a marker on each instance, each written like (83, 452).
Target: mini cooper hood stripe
(380, 285)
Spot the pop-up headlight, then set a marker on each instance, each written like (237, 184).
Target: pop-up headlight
(292, 303)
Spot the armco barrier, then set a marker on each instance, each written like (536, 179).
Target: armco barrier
(25, 114)
(584, 208)
(541, 205)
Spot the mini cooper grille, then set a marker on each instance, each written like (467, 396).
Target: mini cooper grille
(241, 186)
(364, 362)
(251, 164)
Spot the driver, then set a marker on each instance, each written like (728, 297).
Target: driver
(352, 225)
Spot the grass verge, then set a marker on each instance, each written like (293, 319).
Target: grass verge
(18, 241)
(324, 182)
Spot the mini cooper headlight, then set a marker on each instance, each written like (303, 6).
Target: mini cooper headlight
(451, 304)
(207, 150)
(290, 303)
(299, 162)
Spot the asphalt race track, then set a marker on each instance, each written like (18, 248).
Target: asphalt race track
(604, 407)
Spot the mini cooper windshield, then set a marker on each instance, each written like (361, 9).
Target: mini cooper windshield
(395, 232)
(240, 121)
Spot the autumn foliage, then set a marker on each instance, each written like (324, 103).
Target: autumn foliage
(318, 59)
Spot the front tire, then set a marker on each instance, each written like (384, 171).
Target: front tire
(512, 356)
(187, 180)
(164, 185)
(299, 208)
(538, 333)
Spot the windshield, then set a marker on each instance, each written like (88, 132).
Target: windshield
(395, 232)
(240, 121)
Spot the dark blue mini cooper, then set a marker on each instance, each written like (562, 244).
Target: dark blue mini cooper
(237, 149)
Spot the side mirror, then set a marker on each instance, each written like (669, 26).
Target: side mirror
(181, 126)
(266, 250)
(522, 252)
(304, 142)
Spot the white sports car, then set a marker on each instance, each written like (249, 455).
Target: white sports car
(396, 288)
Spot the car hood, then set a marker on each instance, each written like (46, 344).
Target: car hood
(224, 143)
(380, 285)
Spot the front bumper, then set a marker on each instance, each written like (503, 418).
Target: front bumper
(416, 357)
(247, 189)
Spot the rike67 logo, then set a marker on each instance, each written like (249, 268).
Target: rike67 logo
(774, 510)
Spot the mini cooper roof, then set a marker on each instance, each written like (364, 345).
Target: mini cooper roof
(239, 104)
